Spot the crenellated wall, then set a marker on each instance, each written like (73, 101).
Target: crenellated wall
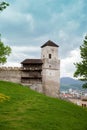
(12, 74)
(42, 76)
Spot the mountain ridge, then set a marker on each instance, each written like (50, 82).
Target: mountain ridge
(68, 82)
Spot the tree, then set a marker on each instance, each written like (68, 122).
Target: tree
(3, 5)
(4, 52)
(81, 67)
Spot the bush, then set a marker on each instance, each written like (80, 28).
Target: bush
(3, 97)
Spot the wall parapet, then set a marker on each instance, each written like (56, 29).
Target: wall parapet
(10, 68)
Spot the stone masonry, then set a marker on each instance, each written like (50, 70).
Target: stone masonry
(42, 75)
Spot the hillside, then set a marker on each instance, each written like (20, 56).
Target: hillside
(24, 109)
(67, 82)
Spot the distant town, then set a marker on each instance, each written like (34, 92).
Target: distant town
(76, 96)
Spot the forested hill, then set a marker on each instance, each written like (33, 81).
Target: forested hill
(67, 82)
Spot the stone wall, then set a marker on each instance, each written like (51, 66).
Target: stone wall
(50, 71)
(12, 74)
(51, 82)
(37, 87)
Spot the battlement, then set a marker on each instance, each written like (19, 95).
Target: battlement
(10, 68)
(42, 75)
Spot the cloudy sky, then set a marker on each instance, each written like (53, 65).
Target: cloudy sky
(27, 24)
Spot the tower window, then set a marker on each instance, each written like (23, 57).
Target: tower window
(49, 66)
(49, 56)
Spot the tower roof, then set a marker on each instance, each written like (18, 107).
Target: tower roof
(49, 43)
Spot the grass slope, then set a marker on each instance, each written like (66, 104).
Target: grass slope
(29, 110)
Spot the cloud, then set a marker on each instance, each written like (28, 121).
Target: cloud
(67, 64)
(21, 53)
(30, 20)
(26, 49)
(30, 23)
(17, 23)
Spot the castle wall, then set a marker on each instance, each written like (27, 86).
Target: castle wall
(12, 74)
(49, 50)
(43, 76)
(51, 82)
(37, 87)
(50, 71)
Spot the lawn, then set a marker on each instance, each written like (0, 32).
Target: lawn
(24, 109)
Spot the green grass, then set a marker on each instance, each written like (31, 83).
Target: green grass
(29, 110)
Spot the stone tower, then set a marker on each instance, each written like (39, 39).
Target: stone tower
(50, 69)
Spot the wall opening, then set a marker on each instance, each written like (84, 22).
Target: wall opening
(49, 66)
(50, 56)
